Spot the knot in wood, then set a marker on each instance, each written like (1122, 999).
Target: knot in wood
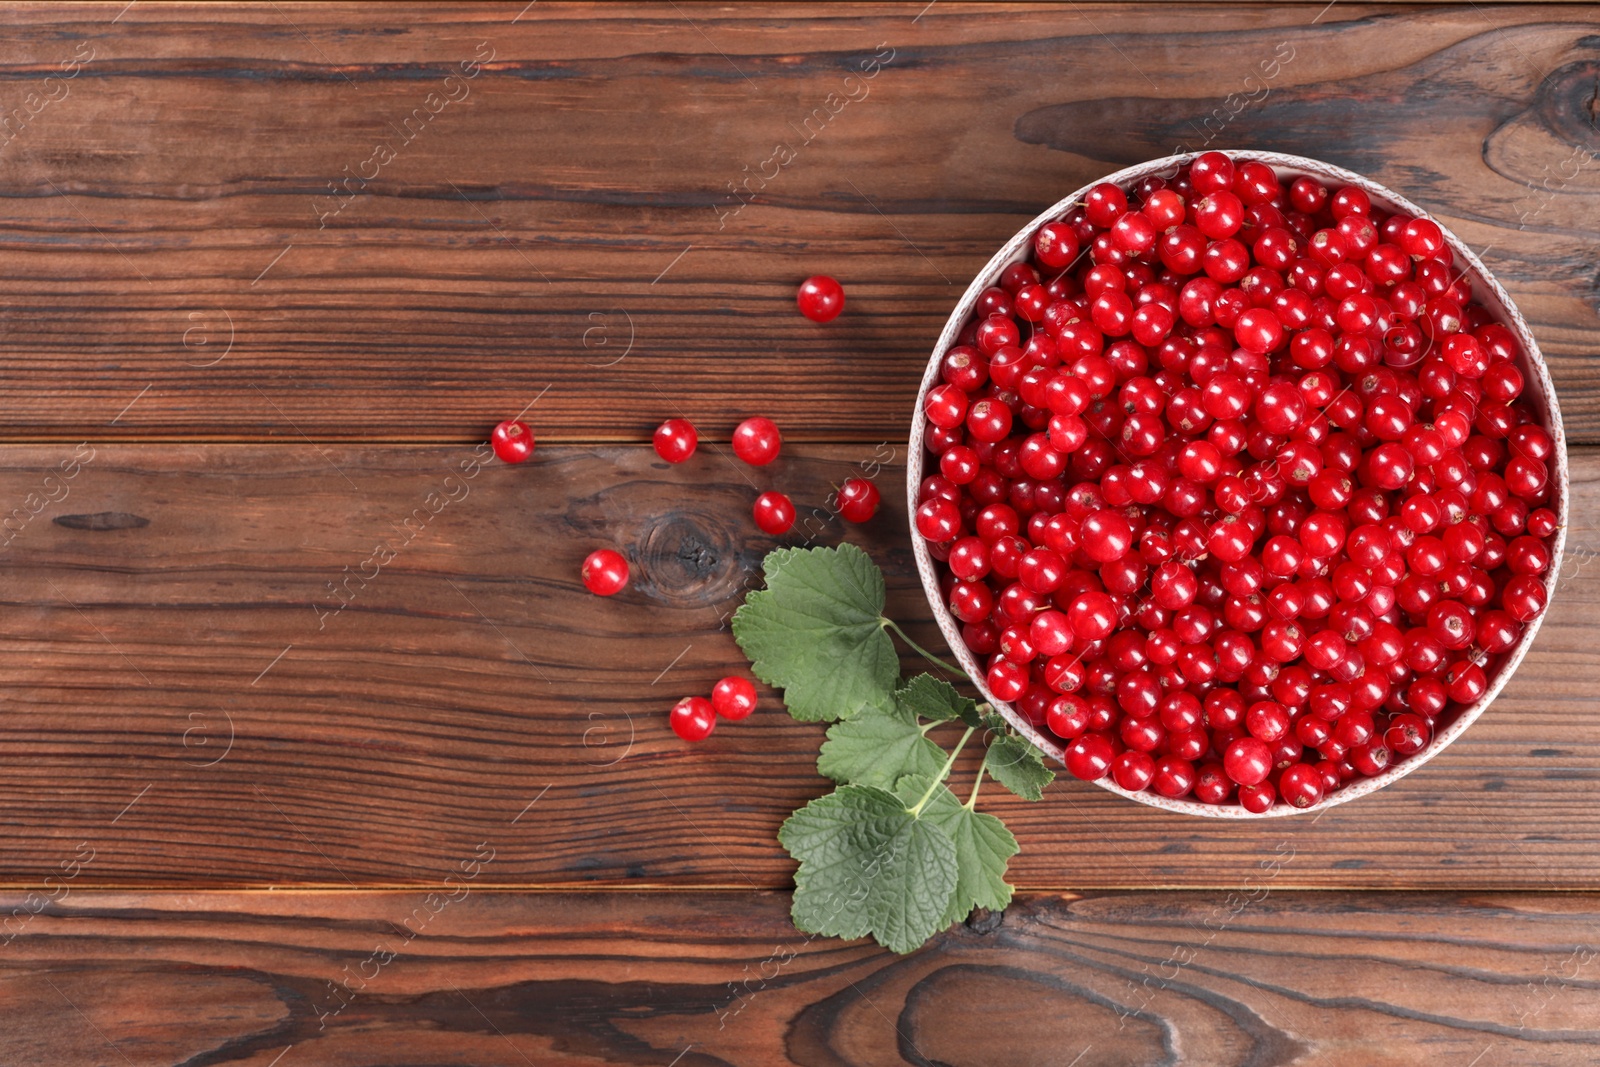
(687, 558)
(1568, 104)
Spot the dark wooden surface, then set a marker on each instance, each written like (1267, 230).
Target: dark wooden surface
(573, 208)
(372, 743)
(225, 387)
(1264, 976)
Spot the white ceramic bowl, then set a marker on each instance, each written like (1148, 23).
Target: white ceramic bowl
(1538, 389)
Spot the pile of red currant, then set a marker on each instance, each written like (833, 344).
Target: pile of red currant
(1237, 491)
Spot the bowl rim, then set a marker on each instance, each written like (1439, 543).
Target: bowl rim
(1486, 289)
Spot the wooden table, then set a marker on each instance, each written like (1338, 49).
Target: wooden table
(311, 749)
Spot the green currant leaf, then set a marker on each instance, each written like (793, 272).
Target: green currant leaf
(869, 866)
(816, 631)
(876, 747)
(983, 847)
(933, 698)
(1016, 764)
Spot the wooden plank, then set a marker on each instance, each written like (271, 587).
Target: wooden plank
(715, 978)
(201, 687)
(177, 266)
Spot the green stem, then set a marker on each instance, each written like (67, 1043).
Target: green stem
(925, 727)
(942, 774)
(972, 800)
(919, 650)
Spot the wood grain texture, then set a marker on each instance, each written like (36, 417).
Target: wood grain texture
(1266, 978)
(204, 234)
(202, 687)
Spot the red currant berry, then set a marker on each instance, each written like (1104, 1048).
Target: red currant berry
(512, 441)
(1089, 756)
(1211, 784)
(693, 718)
(1346, 202)
(1267, 720)
(1258, 330)
(989, 420)
(1133, 770)
(1421, 238)
(1067, 716)
(1301, 785)
(757, 441)
(1307, 195)
(1134, 233)
(774, 513)
(1142, 734)
(1408, 734)
(1371, 758)
(1174, 777)
(1165, 208)
(1210, 172)
(1007, 679)
(1451, 624)
(1527, 477)
(1055, 245)
(675, 440)
(1523, 597)
(1173, 586)
(734, 698)
(969, 558)
(1106, 536)
(964, 367)
(1093, 616)
(971, 602)
(1064, 673)
(820, 298)
(946, 406)
(1257, 799)
(1389, 466)
(960, 464)
(605, 572)
(1104, 203)
(1280, 409)
(858, 500)
(1248, 761)
(1050, 633)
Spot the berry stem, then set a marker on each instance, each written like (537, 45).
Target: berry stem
(942, 774)
(977, 783)
(919, 650)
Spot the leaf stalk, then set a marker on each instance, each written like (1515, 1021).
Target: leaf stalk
(919, 650)
(942, 774)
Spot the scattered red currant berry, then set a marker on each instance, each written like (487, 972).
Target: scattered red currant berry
(675, 440)
(820, 298)
(693, 718)
(734, 698)
(757, 441)
(858, 500)
(512, 441)
(605, 572)
(774, 513)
